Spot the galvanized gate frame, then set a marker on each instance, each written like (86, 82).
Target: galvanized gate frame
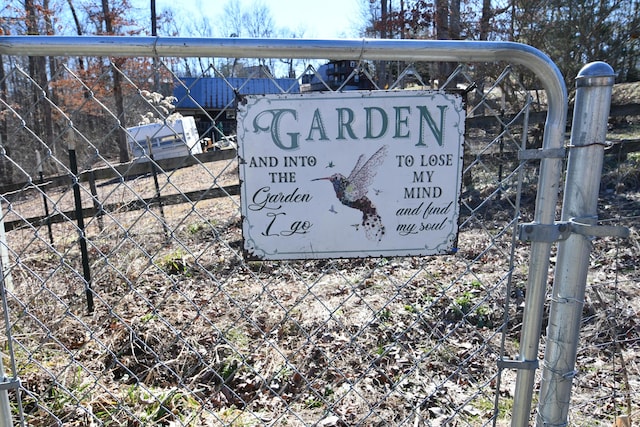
(551, 164)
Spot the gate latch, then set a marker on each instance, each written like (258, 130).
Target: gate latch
(561, 230)
(529, 365)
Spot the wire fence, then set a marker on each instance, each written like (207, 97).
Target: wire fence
(128, 300)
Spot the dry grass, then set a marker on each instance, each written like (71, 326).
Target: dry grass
(185, 332)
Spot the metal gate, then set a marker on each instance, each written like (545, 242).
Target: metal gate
(128, 302)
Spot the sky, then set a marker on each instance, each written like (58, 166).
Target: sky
(318, 18)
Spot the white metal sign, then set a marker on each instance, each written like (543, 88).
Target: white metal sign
(350, 174)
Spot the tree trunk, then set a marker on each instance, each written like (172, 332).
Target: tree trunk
(382, 66)
(76, 21)
(117, 92)
(50, 93)
(442, 19)
(454, 20)
(5, 165)
(43, 121)
(485, 20)
(442, 33)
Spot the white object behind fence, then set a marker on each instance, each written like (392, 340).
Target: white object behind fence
(171, 139)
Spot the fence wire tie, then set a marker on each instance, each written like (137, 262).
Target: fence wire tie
(566, 300)
(155, 47)
(567, 375)
(362, 50)
(605, 144)
(561, 230)
(557, 153)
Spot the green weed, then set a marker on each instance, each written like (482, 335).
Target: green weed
(175, 263)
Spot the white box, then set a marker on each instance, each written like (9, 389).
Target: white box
(174, 139)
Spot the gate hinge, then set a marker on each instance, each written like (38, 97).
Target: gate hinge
(528, 365)
(561, 230)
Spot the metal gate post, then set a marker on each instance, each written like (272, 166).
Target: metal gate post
(5, 408)
(594, 85)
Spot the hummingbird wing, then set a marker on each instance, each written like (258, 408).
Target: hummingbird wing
(357, 167)
(363, 173)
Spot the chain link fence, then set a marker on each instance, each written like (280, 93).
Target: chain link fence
(128, 300)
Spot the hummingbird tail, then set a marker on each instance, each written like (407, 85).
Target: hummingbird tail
(371, 221)
(373, 227)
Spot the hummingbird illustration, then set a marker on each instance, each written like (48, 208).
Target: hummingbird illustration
(352, 191)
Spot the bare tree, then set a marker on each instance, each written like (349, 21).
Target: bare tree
(442, 33)
(117, 88)
(43, 120)
(258, 21)
(485, 20)
(6, 174)
(253, 21)
(574, 33)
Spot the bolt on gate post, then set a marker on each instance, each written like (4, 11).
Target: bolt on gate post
(594, 85)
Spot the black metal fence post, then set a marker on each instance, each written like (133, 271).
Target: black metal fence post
(73, 165)
(154, 172)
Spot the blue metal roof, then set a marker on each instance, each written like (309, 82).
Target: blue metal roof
(218, 93)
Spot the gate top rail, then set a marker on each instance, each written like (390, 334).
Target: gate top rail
(379, 49)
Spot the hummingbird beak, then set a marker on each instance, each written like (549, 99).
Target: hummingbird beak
(318, 179)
